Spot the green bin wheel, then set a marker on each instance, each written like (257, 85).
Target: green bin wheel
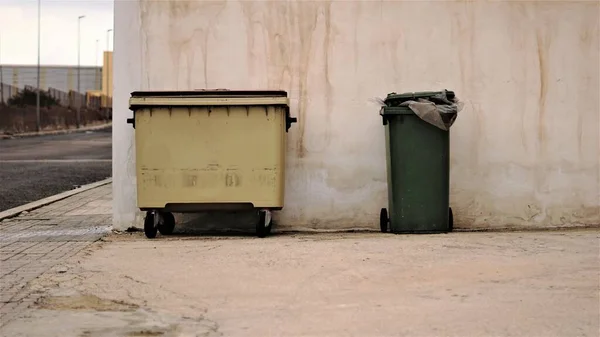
(450, 220)
(167, 225)
(261, 229)
(149, 228)
(383, 220)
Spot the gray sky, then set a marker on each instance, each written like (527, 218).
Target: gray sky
(18, 31)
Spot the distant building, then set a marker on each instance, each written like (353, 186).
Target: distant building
(94, 81)
(107, 80)
(63, 78)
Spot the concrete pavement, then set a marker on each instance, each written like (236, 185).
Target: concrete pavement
(339, 284)
(33, 242)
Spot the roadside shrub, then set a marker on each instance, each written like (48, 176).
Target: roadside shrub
(28, 97)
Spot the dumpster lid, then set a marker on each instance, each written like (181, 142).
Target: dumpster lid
(210, 93)
(211, 97)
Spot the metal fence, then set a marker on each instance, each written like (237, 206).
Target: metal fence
(21, 116)
(71, 99)
(7, 91)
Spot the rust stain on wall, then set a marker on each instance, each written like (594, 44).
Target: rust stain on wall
(290, 45)
(249, 21)
(184, 41)
(543, 46)
(307, 22)
(520, 44)
(145, 7)
(464, 30)
(589, 34)
(328, 87)
(586, 35)
(279, 47)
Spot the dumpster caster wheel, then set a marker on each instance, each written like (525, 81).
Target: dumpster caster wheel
(167, 225)
(383, 220)
(450, 220)
(149, 226)
(263, 230)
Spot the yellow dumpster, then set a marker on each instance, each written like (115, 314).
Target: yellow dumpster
(210, 150)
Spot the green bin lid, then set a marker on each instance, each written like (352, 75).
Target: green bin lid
(394, 99)
(396, 110)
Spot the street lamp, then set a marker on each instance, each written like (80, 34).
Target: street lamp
(108, 39)
(79, 68)
(38, 125)
(96, 64)
(1, 79)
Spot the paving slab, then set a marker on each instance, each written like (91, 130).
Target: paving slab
(33, 242)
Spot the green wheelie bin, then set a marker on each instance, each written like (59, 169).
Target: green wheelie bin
(418, 162)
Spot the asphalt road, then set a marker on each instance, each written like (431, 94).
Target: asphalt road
(37, 167)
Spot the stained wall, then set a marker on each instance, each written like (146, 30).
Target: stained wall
(525, 151)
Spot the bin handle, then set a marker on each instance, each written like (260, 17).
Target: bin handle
(288, 119)
(383, 116)
(131, 121)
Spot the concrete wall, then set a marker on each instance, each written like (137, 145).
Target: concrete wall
(525, 150)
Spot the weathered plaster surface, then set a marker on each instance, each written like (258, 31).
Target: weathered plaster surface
(525, 150)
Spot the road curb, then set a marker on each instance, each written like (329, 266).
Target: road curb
(13, 212)
(57, 132)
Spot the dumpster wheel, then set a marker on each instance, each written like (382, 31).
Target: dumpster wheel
(384, 220)
(261, 229)
(149, 225)
(167, 225)
(450, 220)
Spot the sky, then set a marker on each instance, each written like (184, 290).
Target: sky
(58, 43)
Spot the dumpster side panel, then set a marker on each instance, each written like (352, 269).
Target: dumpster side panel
(203, 155)
(419, 175)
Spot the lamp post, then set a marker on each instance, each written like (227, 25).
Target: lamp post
(96, 64)
(108, 39)
(79, 69)
(37, 96)
(108, 70)
(1, 76)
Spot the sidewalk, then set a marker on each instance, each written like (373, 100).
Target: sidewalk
(85, 128)
(335, 284)
(33, 242)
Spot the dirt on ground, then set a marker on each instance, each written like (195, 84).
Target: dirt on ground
(367, 284)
